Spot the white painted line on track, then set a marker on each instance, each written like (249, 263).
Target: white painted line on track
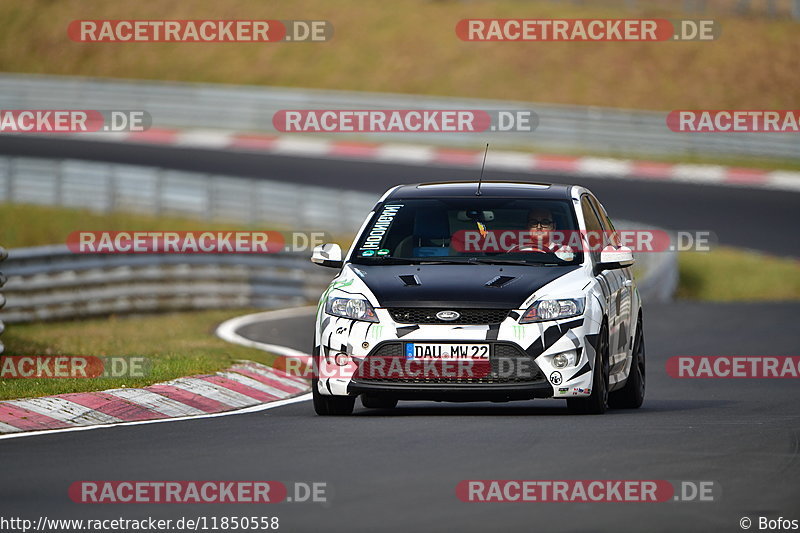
(227, 330)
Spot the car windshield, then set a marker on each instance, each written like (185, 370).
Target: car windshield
(470, 230)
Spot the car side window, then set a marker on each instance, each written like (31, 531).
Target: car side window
(606, 222)
(593, 226)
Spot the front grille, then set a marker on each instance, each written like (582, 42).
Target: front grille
(508, 364)
(423, 315)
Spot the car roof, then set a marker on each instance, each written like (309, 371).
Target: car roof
(494, 189)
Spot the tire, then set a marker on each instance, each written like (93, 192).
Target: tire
(597, 402)
(376, 402)
(328, 405)
(331, 405)
(631, 395)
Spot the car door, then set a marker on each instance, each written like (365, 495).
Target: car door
(611, 285)
(624, 295)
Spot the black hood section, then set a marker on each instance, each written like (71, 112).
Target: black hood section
(462, 286)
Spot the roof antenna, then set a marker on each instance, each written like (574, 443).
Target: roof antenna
(480, 180)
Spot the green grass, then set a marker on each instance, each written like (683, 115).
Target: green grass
(729, 275)
(34, 225)
(176, 344)
(410, 46)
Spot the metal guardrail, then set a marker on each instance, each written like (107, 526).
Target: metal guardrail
(3, 255)
(107, 187)
(51, 282)
(249, 108)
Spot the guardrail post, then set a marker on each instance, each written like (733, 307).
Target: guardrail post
(12, 176)
(159, 192)
(60, 184)
(3, 255)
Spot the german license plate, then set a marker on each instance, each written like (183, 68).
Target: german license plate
(424, 351)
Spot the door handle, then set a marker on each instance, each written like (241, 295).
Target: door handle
(627, 283)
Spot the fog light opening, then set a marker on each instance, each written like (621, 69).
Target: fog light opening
(565, 359)
(560, 361)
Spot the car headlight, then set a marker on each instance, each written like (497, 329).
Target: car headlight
(553, 309)
(355, 308)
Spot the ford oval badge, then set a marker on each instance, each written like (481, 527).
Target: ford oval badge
(448, 315)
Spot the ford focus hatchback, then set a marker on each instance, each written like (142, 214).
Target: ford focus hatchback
(493, 292)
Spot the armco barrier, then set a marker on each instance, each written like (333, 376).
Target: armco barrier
(608, 131)
(51, 282)
(3, 255)
(108, 187)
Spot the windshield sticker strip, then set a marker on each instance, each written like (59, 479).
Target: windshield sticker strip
(379, 229)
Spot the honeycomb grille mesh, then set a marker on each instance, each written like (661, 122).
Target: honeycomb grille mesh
(421, 315)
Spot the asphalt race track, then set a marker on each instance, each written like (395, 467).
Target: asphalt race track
(758, 219)
(397, 469)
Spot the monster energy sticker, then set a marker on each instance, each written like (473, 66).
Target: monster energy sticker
(379, 229)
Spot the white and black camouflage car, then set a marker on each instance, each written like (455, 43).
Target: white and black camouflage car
(455, 292)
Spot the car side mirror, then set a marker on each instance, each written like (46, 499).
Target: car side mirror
(327, 255)
(612, 258)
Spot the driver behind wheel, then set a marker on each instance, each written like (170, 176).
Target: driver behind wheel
(541, 225)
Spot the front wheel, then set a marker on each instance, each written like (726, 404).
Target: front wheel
(631, 395)
(331, 405)
(597, 402)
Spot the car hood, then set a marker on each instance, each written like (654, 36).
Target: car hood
(476, 286)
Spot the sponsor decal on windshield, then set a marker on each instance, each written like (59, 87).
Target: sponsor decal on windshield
(379, 228)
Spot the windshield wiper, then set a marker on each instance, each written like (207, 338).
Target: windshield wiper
(385, 260)
(484, 261)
